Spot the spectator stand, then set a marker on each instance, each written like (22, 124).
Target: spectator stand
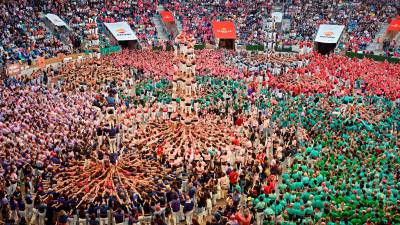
(162, 32)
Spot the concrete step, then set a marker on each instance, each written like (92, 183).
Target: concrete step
(160, 8)
(160, 28)
(381, 32)
(373, 47)
(178, 24)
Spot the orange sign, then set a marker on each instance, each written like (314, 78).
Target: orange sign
(167, 16)
(120, 31)
(328, 33)
(224, 29)
(394, 25)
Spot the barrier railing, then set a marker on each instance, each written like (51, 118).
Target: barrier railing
(110, 50)
(255, 47)
(373, 57)
(199, 46)
(60, 58)
(285, 48)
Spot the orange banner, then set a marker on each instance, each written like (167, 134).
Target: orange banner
(167, 16)
(394, 25)
(224, 29)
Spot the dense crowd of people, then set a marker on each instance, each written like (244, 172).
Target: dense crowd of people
(94, 142)
(24, 38)
(198, 137)
(248, 15)
(362, 19)
(31, 39)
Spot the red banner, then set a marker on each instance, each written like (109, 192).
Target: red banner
(224, 29)
(394, 25)
(167, 16)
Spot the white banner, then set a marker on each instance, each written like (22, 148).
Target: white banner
(328, 33)
(57, 21)
(121, 31)
(277, 16)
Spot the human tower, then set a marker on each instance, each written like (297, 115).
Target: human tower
(182, 136)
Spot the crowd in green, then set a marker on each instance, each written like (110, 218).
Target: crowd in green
(347, 165)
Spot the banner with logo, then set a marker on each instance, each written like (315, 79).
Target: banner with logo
(394, 25)
(167, 16)
(121, 31)
(328, 33)
(224, 29)
(56, 20)
(277, 16)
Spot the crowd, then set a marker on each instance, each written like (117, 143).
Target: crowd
(249, 18)
(24, 38)
(31, 39)
(160, 64)
(57, 176)
(362, 19)
(93, 142)
(79, 16)
(273, 138)
(269, 63)
(339, 75)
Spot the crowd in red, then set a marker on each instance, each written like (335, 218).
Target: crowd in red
(339, 75)
(334, 74)
(160, 63)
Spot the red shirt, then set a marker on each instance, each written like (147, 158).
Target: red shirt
(160, 151)
(239, 121)
(233, 176)
(260, 157)
(268, 189)
(243, 220)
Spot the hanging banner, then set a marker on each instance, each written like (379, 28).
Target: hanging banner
(167, 17)
(328, 33)
(121, 31)
(394, 25)
(56, 20)
(224, 29)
